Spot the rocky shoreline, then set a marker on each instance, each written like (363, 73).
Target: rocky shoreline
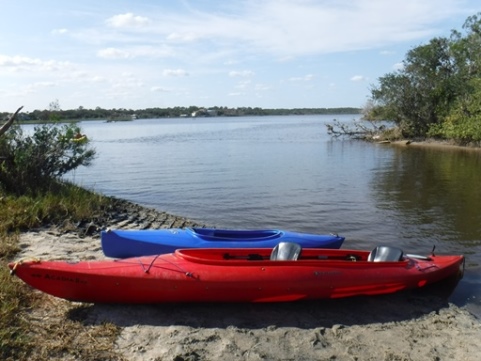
(123, 214)
(417, 325)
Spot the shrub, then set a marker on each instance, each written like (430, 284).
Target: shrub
(30, 164)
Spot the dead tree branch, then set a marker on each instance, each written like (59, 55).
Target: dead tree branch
(9, 122)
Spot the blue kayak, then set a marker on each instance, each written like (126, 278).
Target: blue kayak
(135, 243)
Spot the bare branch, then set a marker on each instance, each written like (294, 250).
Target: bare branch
(9, 122)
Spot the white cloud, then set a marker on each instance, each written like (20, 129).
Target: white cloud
(98, 79)
(59, 31)
(231, 62)
(243, 73)
(136, 52)
(159, 89)
(36, 88)
(262, 87)
(127, 20)
(18, 61)
(112, 53)
(243, 84)
(174, 72)
(387, 52)
(182, 37)
(357, 78)
(398, 66)
(42, 84)
(255, 43)
(289, 29)
(307, 77)
(297, 28)
(23, 63)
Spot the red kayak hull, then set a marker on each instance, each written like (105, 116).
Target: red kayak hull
(233, 275)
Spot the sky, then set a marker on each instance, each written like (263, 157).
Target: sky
(138, 54)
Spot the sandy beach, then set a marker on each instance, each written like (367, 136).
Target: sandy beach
(417, 325)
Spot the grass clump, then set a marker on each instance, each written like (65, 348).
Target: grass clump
(63, 202)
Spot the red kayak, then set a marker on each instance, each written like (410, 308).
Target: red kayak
(287, 273)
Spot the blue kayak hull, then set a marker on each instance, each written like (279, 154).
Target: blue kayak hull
(136, 243)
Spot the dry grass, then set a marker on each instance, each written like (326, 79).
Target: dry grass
(35, 326)
(13, 342)
(58, 330)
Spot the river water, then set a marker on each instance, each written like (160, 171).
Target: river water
(286, 172)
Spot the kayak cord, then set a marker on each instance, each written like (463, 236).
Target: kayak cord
(150, 265)
(187, 273)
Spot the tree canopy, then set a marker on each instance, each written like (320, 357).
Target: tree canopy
(437, 93)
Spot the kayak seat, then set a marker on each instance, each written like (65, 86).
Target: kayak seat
(385, 254)
(286, 251)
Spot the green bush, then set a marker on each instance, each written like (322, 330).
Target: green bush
(31, 164)
(463, 123)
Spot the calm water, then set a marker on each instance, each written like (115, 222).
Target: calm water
(286, 172)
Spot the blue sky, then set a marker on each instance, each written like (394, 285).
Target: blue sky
(253, 53)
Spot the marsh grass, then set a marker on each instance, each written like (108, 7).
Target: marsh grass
(63, 202)
(31, 328)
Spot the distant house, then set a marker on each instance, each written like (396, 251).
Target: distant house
(204, 113)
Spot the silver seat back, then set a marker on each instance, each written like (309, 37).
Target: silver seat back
(286, 251)
(385, 254)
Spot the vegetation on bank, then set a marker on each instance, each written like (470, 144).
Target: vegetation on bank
(32, 195)
(436, 93)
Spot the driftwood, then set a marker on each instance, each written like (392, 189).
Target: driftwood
(9, 122)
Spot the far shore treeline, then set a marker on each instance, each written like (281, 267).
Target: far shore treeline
(98, 113)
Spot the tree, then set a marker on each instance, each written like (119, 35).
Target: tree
(437, 85)
(419, 94)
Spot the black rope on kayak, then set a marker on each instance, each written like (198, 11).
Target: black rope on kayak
(187, 273)
(150, 265)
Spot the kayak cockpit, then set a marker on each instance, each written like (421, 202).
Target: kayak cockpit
(213, 234)
(289, 251)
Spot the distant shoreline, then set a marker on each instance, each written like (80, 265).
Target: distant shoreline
(76, 115)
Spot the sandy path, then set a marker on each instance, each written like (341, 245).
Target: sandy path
(406, 326)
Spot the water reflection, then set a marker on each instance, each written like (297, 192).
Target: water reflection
(435, 192)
